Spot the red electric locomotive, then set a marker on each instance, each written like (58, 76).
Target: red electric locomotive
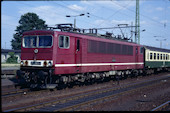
(52, 58)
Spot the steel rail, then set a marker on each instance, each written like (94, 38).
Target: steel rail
(160, 107)
(98, 100)
(7, 86)
(72, 98)
(13, 93)
(8, 72)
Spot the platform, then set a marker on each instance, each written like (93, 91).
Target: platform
(8, 75)
(7, 82)
(8, 72)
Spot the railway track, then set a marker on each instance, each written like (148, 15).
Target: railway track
(10, 90)
(79, 101)
(9, 72)
(162, 106)
(6, 87)
(14, 92)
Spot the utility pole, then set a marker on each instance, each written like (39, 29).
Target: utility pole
(160, 40)
(77, 16)
(131, 32)
(137, 24)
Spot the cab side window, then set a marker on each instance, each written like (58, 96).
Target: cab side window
(64, 42)
(141, 50)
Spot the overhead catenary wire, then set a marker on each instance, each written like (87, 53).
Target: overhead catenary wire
(144, 16)
(75, 11)
(119, 11)
(97, 17)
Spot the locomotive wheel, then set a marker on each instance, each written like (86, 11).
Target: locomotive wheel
(42, 77)
(70, 85)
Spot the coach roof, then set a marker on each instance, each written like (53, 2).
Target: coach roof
(157, 49)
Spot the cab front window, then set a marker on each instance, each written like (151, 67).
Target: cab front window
(29, 41)
(37, 41)
(45, 41)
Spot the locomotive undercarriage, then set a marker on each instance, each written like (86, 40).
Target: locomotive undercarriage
(97, 77)
(46, 78)
(149, 71)
(35, 77)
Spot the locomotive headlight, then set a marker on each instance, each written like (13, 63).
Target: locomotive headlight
(50, 63)
(45, 63)
(26, 63)
(22, 63)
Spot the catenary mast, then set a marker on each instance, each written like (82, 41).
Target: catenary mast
(137, 24)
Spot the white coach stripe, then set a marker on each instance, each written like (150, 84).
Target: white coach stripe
(96, 64)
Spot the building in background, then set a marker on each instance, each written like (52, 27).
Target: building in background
(5, 55)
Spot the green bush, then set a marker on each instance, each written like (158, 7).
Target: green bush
(12, 58)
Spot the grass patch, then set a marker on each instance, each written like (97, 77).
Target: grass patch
(10, 65)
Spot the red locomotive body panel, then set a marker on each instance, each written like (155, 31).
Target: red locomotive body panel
(71, 61)
(43, 54)
(77, 53)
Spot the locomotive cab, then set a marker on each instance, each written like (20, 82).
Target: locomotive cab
(36, 65)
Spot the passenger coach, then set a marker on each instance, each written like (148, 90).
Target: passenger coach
(157, 58)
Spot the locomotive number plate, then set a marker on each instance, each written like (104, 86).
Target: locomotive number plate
(35, 63)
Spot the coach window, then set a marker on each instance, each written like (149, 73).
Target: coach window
(64, 42)
(161, 56)
(166, 56)
(158, 56)
(154, 56)
(150, 55)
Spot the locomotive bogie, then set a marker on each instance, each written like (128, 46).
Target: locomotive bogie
(89, 77)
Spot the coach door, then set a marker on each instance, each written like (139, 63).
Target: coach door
(78, 54)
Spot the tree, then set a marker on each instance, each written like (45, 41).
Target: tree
(12, 58)
(28, 21)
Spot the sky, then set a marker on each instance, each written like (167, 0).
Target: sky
(154, 17)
